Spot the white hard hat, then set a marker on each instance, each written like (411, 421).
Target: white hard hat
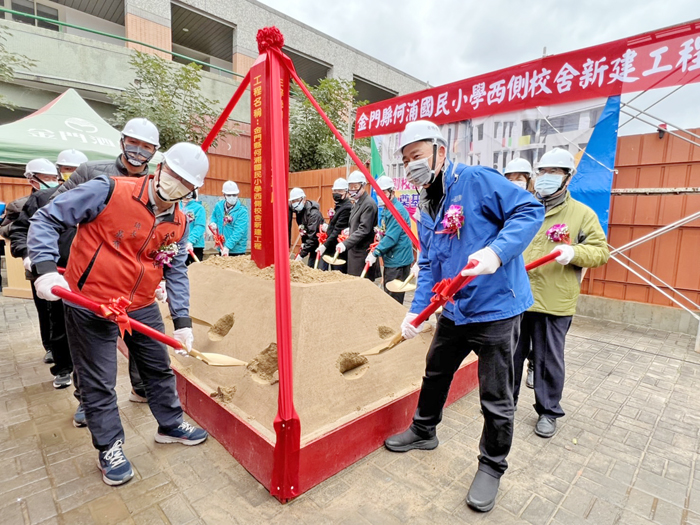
(558, 158)
(420, 130)
(385, 182)
(230, 188)
(518, 166)
(40, 167)
(357, 176)
(71, 158)
(142, 129)
(188, 161)
(296, 193)
(340, 185)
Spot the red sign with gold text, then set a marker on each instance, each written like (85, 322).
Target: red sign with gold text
(668, 57)
(262, 232)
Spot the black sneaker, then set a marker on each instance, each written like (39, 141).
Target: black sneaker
(62, 381)
(409, 440)
(48, 357)
(483, 491)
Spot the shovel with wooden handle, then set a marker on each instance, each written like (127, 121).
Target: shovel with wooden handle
(318, 258)
(192, 254)
(333, 261)
(207, 358)
(444, 291)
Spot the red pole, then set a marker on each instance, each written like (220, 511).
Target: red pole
(406, 228)
(225, 114)
(543, 260)
(285, 473)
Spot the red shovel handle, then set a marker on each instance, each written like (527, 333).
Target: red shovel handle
(543, 260)
(457, 283)
(454, 285)
(81, 300)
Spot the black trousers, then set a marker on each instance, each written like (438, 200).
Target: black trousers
(43, 311)
(400, 273)
(494, 343)
(93, 343)
(63, 364)
(542, 337)
(199, 252)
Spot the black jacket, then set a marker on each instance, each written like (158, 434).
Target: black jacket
(311, 218)
(363, 219)
(338, 223)
(12, 211)
(94, 168)
(20, 227)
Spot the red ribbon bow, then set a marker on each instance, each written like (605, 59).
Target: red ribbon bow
(115, 311)
(322, 237)
(218, 238)
(439, 290)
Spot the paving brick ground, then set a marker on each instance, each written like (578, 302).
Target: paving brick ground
(627, 451)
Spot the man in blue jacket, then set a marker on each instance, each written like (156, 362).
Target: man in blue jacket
(468, 213)
(231, 219)
(197, 220)
(395, 247)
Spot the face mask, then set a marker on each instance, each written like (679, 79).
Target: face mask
(355, 194)
(520, 183)
(170, 189)
(232, 199)
(548, 184)
(65, 175)
(136, 155)
(337, 198)
(43, 184)
(298, 206)
(418, 172)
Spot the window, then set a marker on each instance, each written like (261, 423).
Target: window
(594, 116)
(495, 160)
(33, 8)
(496, 129)
(480, 132)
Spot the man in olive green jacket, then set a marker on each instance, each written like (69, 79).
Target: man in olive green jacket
(572, 228)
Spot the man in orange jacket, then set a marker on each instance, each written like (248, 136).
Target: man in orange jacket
(132, 234)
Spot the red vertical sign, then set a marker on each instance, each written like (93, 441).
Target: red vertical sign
(262, 232)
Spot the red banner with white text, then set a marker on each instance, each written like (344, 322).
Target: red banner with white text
(668, 57)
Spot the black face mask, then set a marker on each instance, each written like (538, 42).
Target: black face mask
(136, 155)
(338, 198)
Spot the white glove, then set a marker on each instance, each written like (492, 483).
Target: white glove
(213, 226)
(298, 257)
(45, 282)
(340, 247)
(567, 253)
(189, 247)
(371, 258)
(27, 263)
(224, 252)
(415, 269)
(408, 331)
(161, 292)
(488, 263)
(324, 227)
(321, 249)
(184, 336)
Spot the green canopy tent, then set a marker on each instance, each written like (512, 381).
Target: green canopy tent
(64, 123)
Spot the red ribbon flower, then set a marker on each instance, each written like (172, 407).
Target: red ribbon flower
(115, 311)
(559, 233)
(453, 220)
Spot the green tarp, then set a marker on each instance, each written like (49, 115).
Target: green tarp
(66, 122)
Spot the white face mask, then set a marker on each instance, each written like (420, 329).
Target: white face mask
(298, 206)
(548, 183)
(520, 183)
(231, 199)
(169, 188)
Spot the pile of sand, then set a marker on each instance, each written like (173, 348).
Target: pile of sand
(299, 271)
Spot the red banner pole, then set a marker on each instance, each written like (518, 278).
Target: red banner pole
(226, 112)
(285, 472)
(406, 228)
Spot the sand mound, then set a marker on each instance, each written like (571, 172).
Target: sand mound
(299, 272)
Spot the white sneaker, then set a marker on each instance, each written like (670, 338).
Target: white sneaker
(135, 398)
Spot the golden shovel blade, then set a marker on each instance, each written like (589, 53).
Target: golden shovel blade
(397, 286)
(216, 359)
(333, 260)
